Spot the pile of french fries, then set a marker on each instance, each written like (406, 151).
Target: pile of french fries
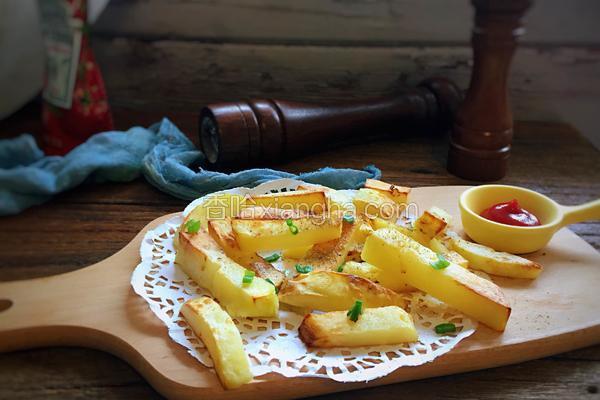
(316, 249)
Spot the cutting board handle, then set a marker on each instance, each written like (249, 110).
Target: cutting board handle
(34, 313)
(90, 307)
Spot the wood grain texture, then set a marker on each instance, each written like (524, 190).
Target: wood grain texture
(548, 157)
(61, 373)
(554, 76)
(142, 74)
(78, 227)
(347, 22)
(96, 307)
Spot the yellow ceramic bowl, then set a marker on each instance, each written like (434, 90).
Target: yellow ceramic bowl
(518, 239)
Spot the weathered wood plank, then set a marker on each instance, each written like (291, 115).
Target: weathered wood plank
(80, 373)
(91, 222)
(64, 236)
(348, 22)
(549, 81)
(181, 76)
(64, 373)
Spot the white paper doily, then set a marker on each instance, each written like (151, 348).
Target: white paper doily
(272, 344)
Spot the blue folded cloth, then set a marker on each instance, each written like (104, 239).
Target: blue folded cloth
(162, 153)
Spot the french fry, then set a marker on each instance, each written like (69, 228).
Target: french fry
(327, 256)
(479, 298)
(362, 269)
(394, 280)
(387, 279)
(398, 194)
(441, 213)
(354, 253)
(276, 234)
(222, 339)
(217, 206)
(374, 204)
(266, 270)
(358, 240)
(428, 226)
(493, 262)
(379, 223)
(296, 252)
(222, 232)
(438, 246)
(375, 326)
(203, 260)
(363, 231)
(434, 244)
(331, 291)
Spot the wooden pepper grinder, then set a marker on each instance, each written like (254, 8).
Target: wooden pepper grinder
(481, 139)
(262, 132)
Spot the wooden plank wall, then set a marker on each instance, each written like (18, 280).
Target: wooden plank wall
(199, 51)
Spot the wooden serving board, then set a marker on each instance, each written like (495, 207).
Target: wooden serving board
(96, 307)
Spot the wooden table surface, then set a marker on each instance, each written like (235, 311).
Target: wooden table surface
(91, 222)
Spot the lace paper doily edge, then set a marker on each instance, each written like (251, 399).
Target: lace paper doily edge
(146, 258)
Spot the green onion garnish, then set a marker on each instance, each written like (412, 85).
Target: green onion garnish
(271, 282)
(441, 263)
(248, 277)
(272, 258)
(355, 311)
(192, 226)
(341, 267)
(445, 328)
(349, 219)
(303, 269)
(293, 228)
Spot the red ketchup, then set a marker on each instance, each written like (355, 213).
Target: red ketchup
(510, 213)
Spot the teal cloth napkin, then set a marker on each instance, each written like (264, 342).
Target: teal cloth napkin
(162, 153)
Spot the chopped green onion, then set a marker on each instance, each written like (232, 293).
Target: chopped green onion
(248, 277)
(349, 219)
(355, 311)
(303, 269)
(192, 226)
(445, 328)
(441, 263)
(341, 267)
(271, 282)
(272, 258)
(293, 228)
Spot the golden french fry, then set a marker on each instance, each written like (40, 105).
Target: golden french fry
(479, 298)
(493, 262)
(222, 339)
(331, 291)
(375, 326)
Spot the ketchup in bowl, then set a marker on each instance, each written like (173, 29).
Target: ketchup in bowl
(510, 213)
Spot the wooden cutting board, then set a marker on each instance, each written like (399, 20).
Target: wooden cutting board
(96, 307)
